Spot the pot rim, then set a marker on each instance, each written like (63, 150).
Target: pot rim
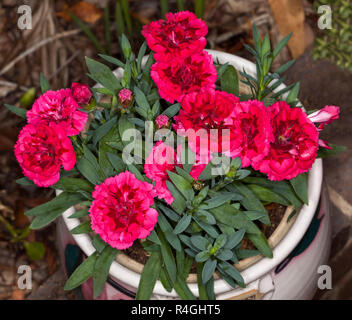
(253, 272)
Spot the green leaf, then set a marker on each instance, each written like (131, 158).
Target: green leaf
(208, 270)
(126, 47)
(173, 240)
(222, 198)
(87, 31)
(206, 227)
(283, 188)
(300, 185)
(88, 166)
(116, 162)
(285, 67)
(256, 38)
(250, 201)
(102, 74)
(206, 217)
(98, 243)
(56, 206)
(154, 237)
(266, 195)
(235, 218)
(220, 241)
(183, 224)
(171, 214)
(16, 110)
(25, 182)
(143, 107)
(261, 244)
(73, 185)
(182, 289)
(187, 159)
(141, 54)
(179, 203)
(113, 60)
(101, 269)
(184, 174)
(229, 81)
(124, 124)
(172, 110)
(103, 130)
(168, 258)
(34, 250)
(281, 44)
(234, 239)
(165, 280)
(233, 272)
(224, 254)
(84, 227)
(44, 84)
(324, 152)
(119, 21)
(199, 242)
(182, 185)
(79, 214)
(202, 256)
(84, 271)
(107, 145)
(293, 95)
(203, 295)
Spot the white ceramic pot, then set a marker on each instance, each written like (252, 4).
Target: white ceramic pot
(290, 274)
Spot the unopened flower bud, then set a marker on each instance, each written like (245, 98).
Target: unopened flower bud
(125, 98)
(81, 93)
(162, 122)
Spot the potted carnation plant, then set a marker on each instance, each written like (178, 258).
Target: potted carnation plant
(172, 173)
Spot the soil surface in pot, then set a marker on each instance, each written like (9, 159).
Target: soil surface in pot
(275, 211)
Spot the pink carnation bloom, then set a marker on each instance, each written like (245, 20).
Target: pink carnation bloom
(180, 35)
(125, 97)
(121, 210)
(162, 121)
(208, 113)
(324, 117)
(178, 77)
(59, 107)
(41, 150)
(295, 147)
(251, 133)
(162, 159)
(81, 93)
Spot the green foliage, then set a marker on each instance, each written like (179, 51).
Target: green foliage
(335, 43)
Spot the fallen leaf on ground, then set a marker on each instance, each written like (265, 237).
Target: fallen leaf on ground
(86, 11)
(17, 294)
(289, 17)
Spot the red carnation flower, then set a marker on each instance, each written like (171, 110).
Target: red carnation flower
(179, 77)
(295, 146)
(61, 108)
(162, 159)
(81, 93)
(180, 35)
(208, 113)
(41, 150)
(121, 211)
(252, 132)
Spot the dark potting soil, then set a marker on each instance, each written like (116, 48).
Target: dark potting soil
(275, 211)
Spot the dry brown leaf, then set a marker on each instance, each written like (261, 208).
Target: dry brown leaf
(86, 11)
(17, 294)
(289, 17)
